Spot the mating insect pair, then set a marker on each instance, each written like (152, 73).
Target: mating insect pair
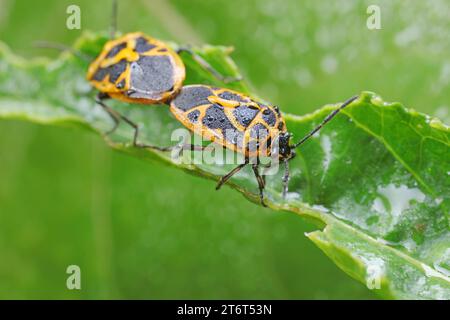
(136, 68)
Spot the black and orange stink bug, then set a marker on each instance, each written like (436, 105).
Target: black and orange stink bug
(135, 68)
(239, 123)
(138, 69)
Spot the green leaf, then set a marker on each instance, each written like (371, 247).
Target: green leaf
(375, 180)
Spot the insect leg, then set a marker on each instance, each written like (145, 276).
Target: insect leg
(285, 178)
(226, 177)
(261, 183)
(208, 67)
(116, 116)
(112, 113)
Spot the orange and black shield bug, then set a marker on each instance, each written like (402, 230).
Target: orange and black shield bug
(138, 69)
(228, 118)
(239, 123)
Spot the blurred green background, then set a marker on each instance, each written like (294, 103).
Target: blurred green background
(149, 231)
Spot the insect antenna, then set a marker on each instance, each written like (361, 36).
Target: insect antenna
(328, 118)
(62, 47)
(113, 28)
